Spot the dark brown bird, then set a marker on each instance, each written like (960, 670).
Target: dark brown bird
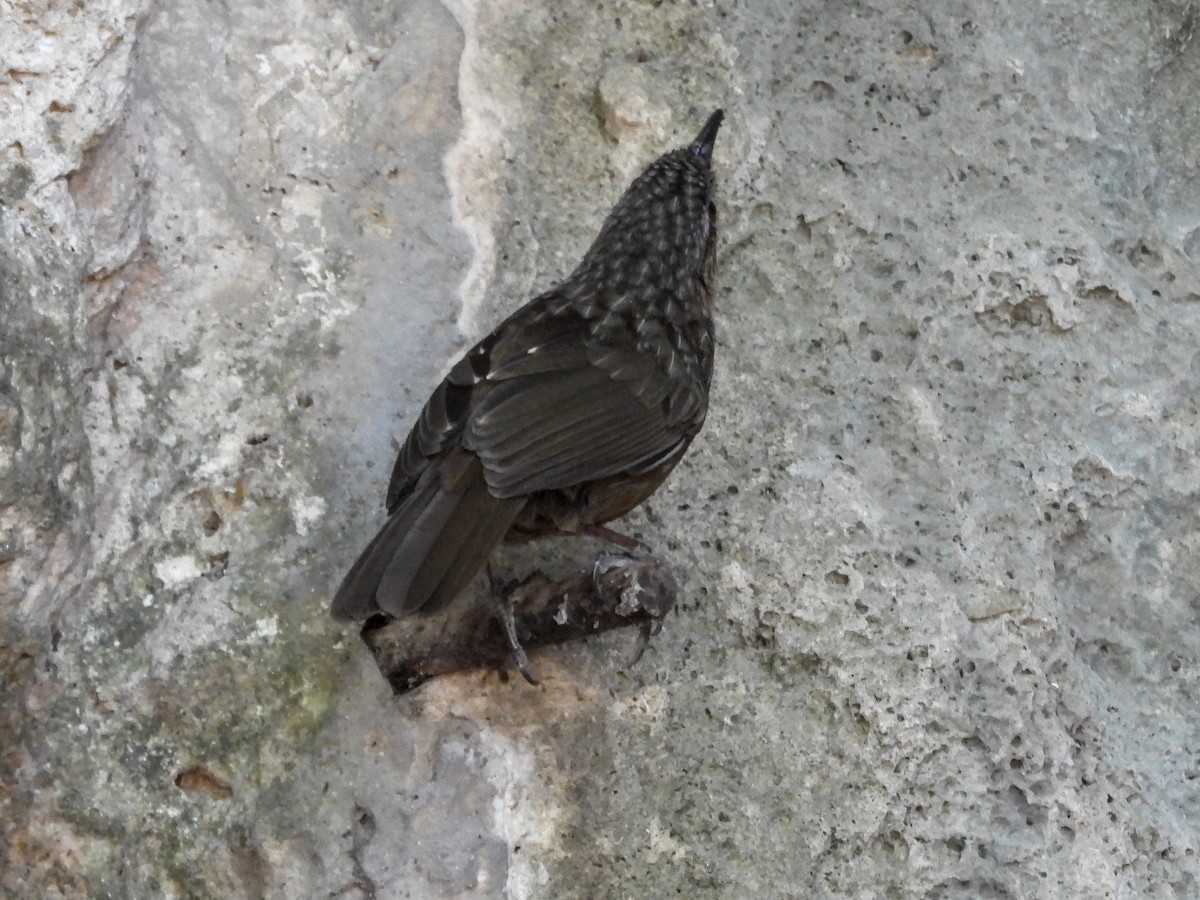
(568, 415)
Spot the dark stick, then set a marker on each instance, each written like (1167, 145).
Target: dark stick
(617, 591)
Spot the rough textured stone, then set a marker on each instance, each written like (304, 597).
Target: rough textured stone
(938, 544)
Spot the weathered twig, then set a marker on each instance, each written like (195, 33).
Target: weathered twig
(618, 590)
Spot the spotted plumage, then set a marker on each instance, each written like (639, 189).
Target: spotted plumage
(571, 412)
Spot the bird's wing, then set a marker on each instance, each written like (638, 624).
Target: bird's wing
(564, 408)
(545, 404)
(434, 432)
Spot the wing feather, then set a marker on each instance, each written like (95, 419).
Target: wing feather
(564, 428)
(547, 404)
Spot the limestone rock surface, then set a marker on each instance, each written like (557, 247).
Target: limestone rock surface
(938, 546)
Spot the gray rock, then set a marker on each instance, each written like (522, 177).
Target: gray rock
(937, 633)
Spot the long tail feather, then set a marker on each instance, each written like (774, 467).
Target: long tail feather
(431, 547)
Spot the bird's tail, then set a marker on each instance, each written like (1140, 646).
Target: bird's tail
(431, 547)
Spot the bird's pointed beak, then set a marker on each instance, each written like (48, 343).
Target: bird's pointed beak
(703, 144)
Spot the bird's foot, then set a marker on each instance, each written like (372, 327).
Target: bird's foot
(640, 585)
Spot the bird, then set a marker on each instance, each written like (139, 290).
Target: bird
(569, 414)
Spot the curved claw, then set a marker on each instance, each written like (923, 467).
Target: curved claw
(503, 609)
(647, 631)
(510, 631)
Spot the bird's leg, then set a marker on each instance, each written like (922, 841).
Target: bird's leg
(505, 613)
(502, 607)
(614, 537)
